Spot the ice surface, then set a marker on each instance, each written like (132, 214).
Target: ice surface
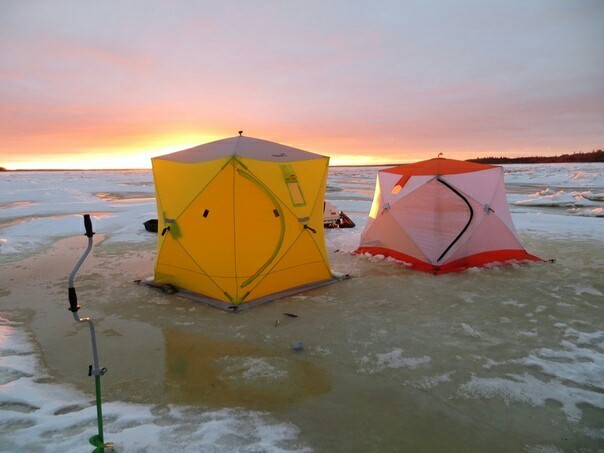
(401, 349)
(35, 416)
(574, 376)
(38, 207)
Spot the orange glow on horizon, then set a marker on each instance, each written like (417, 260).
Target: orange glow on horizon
(142, 160)
(111, 158)
(138, 156)
(136, 151)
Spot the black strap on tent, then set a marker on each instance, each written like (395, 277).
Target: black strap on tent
(306, 227)
(167, 227)
(456, 192)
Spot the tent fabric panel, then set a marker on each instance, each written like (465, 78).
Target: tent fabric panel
(486, 258)
(433, 216)
(438, 166)
(412, 184)
(384, 187)
(206, 152)
(391, 193)
(282, 280)
(308, 177)
(466, 228)
(176, 185)
(189, 279)
(259, 225)
(386, 233)
(478, 260)
(178, 266)
(207, 227)
(480, 185)
(377, 203)
(173, 259)
(408, 260)
(311, 177)
(302, 260)
(307, 248)
(500, 207)
(490, 235)
(491, 229)
(242, 146)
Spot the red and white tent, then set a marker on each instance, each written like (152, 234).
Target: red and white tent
(442, 215)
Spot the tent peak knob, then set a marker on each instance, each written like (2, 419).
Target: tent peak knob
(240, 133)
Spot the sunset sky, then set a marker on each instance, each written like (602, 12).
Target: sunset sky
(96, 84)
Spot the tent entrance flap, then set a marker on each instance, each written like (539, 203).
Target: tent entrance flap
(277, 212)
(470, 217)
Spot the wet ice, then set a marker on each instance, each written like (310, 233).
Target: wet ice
(401, 350)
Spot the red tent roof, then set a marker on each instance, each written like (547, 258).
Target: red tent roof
(438, 166)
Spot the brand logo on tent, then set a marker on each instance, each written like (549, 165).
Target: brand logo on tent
(280, 155)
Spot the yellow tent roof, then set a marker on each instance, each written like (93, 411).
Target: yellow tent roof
(241, 146)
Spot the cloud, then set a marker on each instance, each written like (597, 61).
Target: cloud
(346, 77)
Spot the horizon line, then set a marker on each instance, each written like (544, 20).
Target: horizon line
(2, 169)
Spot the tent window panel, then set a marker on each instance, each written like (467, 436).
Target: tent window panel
(293, 186)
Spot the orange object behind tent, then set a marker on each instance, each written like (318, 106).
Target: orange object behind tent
(442, 215)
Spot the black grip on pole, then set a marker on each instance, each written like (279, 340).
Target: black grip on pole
(88, 225)
(73, 300)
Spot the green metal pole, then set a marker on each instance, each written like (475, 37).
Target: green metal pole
(99, 409)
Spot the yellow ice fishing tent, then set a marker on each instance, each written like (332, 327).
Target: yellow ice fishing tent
(240, 220)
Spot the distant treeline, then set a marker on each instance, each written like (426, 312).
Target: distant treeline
(594, 156)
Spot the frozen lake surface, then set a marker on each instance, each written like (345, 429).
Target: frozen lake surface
(502, 359)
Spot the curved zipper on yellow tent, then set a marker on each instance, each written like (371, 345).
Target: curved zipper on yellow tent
(281, 219)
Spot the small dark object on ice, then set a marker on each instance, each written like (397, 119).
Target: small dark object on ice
(151, 225)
